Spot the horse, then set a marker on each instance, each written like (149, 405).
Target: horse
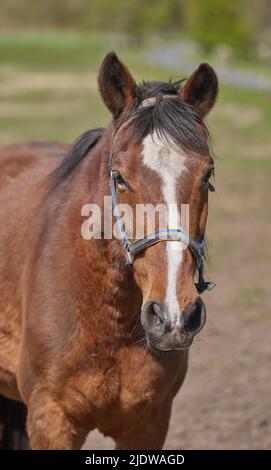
(14, 159)
(95, 333)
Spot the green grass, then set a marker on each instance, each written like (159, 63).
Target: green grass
(49, 50)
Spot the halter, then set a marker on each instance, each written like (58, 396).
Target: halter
(137, 246)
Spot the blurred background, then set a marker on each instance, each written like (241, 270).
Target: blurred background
(49, 57)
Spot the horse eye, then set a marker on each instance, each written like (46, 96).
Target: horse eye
(205, 180)
(119, 181)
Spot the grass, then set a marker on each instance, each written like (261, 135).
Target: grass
(49, 50)
(48, 91)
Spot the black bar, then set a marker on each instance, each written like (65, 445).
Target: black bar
(132, 459)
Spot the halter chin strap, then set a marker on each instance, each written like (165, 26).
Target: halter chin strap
(135, 247)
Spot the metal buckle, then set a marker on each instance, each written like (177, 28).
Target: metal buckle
(204, 285)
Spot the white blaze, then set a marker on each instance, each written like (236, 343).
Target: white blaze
(168, 164)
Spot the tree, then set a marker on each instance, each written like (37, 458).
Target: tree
(214, 22)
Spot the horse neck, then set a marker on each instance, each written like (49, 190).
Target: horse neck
(91, 184)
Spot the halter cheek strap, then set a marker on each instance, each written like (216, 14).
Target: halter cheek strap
(135, 247)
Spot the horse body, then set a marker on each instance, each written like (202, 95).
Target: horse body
(72, 339)
(20, 166)
(92, 366)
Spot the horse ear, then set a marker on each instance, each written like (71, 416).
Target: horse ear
(201, 89)
(116, 84)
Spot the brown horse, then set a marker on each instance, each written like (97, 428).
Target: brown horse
(84, 338)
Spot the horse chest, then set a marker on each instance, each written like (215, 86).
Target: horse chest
(144, 384)
(145, 379)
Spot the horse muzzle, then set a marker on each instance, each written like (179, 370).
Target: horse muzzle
(168, 334)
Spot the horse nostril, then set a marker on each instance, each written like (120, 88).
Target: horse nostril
(194, 316)
(152, 314)
(155, 309)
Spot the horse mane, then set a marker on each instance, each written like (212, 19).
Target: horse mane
(80, 149)
(172, 119)
(153, 88)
